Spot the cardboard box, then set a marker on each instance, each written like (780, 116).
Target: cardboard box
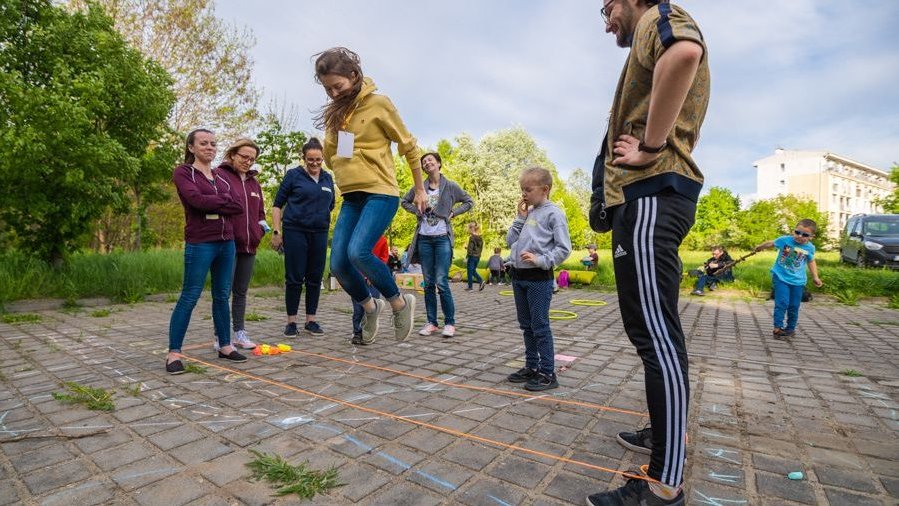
(409, 281)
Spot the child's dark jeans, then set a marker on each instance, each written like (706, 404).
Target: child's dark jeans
(787, 298)
(532, 299)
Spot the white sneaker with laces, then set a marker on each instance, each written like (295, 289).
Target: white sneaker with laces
(448, 331)
(242, 340)
(427, 330)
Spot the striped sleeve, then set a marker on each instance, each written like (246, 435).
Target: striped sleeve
(656, 33)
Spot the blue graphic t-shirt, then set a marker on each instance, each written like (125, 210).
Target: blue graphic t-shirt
(791, 259)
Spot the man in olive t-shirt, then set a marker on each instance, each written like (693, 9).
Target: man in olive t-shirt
(650, 184)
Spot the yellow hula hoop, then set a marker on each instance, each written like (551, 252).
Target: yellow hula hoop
(587, 302)
(558, 314)
(505, 292)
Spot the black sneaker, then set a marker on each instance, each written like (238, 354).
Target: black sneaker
(174, 367)
(233, 356)
(481, 288)
(357, 338)
(313, 328)
(635, 492)
(541, 382)
(639, 441)
(522, 375)
(291, 329)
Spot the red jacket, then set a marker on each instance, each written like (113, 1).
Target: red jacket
(248, 193)
(207, 205)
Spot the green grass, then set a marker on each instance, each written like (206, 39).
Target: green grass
(292, 479)
(21, 318)
(129, 277)
(101, 313)
(852, 373)
(195, 368)
(96, 399)
(253, 316)
(132, 390)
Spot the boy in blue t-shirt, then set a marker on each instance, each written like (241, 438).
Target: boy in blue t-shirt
(788, 274)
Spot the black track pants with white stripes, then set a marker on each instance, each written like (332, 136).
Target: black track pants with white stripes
(646, 234)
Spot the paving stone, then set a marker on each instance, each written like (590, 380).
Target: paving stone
(8, 493)
(471, 455)
(94, 491)
(843, 478)
(571, 488)
(120, 456)
(784, 488)
(441, 477)
(41, 457)
(891, 485)
(837, 496)
(51, 478)
(489, 492)
(171, 491)
(406, 494)
(178, 436)
(521, 472)
(200, 451)
(143, 472)
(361, 480)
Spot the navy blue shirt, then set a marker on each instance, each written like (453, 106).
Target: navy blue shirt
(306, 204)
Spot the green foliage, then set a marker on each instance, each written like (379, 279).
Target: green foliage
(894, 301)
(768, 219)
(80, 109)
(846, 296)
(280, 149)
(852, 373)
(195, 368)
(101, 313)
(96, 399)
(21, 318)
(289, 479)
(253, 316)
(716, 213)
(133, 390)
(890, 203)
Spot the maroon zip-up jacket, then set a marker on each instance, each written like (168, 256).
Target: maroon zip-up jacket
(207, 205)
(248, 193)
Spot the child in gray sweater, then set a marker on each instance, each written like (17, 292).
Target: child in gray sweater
(540, 242)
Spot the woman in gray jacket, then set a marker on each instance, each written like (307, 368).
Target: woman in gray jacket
(432, 244)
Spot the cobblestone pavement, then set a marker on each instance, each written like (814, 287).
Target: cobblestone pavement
(403, 424)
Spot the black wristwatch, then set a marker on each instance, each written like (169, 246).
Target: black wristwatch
(646, 149)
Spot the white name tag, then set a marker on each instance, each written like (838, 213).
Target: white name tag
(212, 216)
(345, 141)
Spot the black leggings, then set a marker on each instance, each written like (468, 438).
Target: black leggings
(304, 263)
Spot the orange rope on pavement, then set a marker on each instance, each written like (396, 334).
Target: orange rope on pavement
(472, 387)
(419, 423)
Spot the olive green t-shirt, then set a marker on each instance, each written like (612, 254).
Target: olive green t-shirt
(658, 29)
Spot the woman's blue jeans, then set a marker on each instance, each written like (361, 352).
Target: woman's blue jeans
(360, 224)
(787, 299)
(435, 253)
(471, 264)
(200, 259)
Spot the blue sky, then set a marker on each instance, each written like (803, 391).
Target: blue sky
(800, 74)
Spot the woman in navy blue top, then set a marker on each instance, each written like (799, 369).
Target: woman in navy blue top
(301, 228)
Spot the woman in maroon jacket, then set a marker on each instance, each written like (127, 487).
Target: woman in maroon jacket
(237, 169)
(209, 238)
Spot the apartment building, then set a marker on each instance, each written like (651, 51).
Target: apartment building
(840, 186)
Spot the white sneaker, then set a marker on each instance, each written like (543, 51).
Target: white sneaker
(448, 331)
(427, 330)
(242, 340)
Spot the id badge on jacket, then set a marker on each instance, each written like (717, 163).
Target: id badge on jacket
(345, 141)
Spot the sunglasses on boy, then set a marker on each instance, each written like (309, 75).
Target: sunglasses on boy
(800, 233)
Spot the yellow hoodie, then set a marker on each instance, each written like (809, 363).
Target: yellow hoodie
(375, 124)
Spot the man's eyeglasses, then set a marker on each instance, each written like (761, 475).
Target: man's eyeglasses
(606, 10)
(249, 159)
(800, 233)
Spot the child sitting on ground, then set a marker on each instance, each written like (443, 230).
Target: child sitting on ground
(590, 261)
(788, 276)
(713, 271)
(497, 270)
(539, 241)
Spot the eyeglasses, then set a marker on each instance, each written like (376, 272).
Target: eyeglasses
(314, 161)
(800, 233)
(606, 10)
(249, 159)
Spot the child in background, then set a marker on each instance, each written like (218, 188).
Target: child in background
(382, 253)
(788, 274)
(539, 241)
(474, 249)
(497, 270)
(590, 261)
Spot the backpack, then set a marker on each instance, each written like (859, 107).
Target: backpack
(563, 279)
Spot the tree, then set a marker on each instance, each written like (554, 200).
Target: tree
(715, 215)
(80, 109)
(768, 219)
(208, 59)
(890, 203)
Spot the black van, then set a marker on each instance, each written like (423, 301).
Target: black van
(871, 240)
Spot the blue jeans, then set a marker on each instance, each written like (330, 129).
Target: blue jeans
(532, 300)
(200, 259)
(472, 266)
(435, 253)
(362, 220)
(787, 298)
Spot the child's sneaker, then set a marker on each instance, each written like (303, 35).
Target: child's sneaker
(541, 382)
(242, 340)
(522, 375)
(428, 329)
(448, 331)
